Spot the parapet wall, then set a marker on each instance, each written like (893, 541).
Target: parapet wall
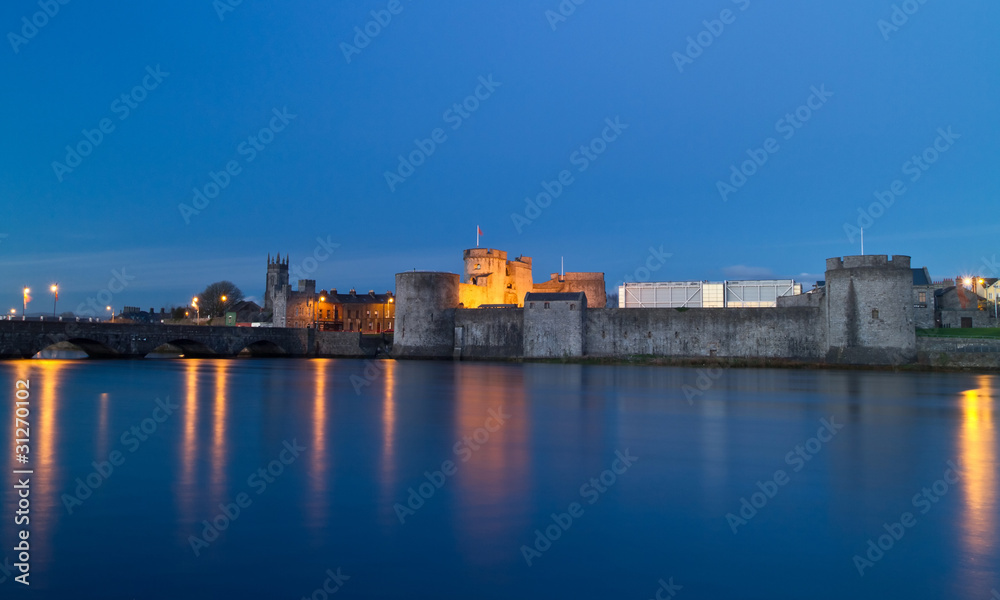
(489, 333)
(793, 333)
(898, 261)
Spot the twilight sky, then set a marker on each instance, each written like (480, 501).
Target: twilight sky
(635, 128)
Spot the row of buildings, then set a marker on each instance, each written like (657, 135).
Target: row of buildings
(326, 310)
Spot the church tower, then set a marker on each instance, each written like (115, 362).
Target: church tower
(277, 276)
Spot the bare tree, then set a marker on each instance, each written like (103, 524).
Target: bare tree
(612, 299)
(218, 297)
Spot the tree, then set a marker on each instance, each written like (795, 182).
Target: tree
(210, 300)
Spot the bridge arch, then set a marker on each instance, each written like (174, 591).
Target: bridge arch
(185, 348)
(262, 348)
(92, 348)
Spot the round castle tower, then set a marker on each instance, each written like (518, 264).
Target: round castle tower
(425, 314)
(869, 304)
(487, 267)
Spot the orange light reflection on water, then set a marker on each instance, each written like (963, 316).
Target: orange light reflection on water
(978, 465)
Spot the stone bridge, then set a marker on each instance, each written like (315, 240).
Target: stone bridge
(24, 339)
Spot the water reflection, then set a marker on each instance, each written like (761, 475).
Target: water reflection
(101, 441)
(492, 487)
(978, 464)
(318, 467)
(46, 462)
(188, 450)
(219, 435)
(388, 476)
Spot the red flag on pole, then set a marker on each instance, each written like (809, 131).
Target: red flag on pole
(479, 232)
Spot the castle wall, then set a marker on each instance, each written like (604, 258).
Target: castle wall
(554, 329)
(794, 333)
(591, 284)
(496, 333)
(870, 310)
(471, 295)
(519, 280)
(425, 314)
(864, 314)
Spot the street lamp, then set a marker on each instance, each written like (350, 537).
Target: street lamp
(55, 290)
(224, 298)
(320, 311)
(13, 312)
(108, 308)
(194, 302)
(24, 301)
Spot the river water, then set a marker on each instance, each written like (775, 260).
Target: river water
(274, 478)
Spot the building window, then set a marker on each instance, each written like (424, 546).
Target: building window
(922, 296)
(572, 307)
(376, 314)
(369, 313)
(546, 305)
(531, 305)
(874, 313)
(478, 266)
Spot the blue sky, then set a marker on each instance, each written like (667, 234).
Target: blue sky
(555, 83)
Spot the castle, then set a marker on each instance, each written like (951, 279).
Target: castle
(491, 279)
(863, 314)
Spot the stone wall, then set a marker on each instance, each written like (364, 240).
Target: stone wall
(555, 329)
(591, 284)
(980, 318)
(484, 333)
(793, 333)
(340, 344)
(958, 352)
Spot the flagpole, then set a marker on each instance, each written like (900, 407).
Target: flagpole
(477, 236)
